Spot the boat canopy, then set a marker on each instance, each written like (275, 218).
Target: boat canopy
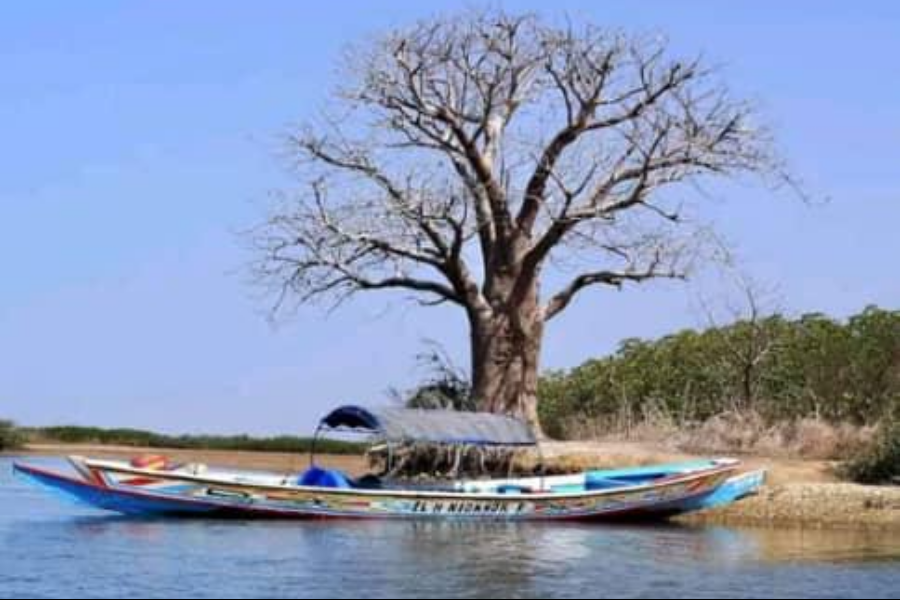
(431, 426)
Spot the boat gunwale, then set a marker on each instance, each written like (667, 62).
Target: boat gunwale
(731, 467)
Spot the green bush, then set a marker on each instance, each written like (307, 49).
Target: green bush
(10, 437)
(881, 462)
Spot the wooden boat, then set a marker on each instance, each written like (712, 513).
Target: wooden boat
(156, 488)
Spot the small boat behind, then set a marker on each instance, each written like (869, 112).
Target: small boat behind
(152, 486)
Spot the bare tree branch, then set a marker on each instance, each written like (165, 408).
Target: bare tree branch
(656, 268)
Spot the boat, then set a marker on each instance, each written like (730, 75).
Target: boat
(152, 486)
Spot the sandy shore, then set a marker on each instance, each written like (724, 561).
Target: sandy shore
(798, 493)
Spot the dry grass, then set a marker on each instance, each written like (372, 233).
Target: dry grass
(747, 433)
(653, 424)
(744, 433)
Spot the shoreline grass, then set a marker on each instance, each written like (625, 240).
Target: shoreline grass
(148, 439)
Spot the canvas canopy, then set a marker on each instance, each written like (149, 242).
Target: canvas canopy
(432, 426)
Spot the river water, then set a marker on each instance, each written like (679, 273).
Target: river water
(49, 548)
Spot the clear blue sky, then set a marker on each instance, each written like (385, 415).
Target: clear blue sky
(137, 137)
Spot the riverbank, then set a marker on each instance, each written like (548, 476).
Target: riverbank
(798, 493)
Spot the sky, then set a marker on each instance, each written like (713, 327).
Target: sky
(139, 140)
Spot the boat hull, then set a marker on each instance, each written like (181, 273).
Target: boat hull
(148, 493)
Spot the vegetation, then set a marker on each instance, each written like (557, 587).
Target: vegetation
(775, 369)
(148, 439)
(880, 463)
(10, 437)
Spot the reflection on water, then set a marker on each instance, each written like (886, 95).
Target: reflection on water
(53, 549)
(821, 545)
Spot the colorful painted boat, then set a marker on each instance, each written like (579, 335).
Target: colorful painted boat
(155, 488)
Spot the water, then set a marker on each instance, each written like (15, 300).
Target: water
(52, 549)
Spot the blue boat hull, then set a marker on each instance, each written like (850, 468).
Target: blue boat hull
(691, 492)
(119, 501)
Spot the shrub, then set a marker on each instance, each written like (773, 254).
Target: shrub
(880, 463)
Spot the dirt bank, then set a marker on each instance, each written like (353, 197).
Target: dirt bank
(798, 493)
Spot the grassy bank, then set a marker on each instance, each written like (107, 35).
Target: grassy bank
(147, 439)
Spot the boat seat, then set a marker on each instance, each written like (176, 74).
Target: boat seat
(324, 478)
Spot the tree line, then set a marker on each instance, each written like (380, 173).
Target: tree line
(779, 368)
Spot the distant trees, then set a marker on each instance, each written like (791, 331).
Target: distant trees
(813, 366)
(139, 438)
(9, 436)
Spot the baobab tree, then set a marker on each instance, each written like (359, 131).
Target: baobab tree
(464, 158)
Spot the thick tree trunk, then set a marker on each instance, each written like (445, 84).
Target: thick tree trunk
(506, 349)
